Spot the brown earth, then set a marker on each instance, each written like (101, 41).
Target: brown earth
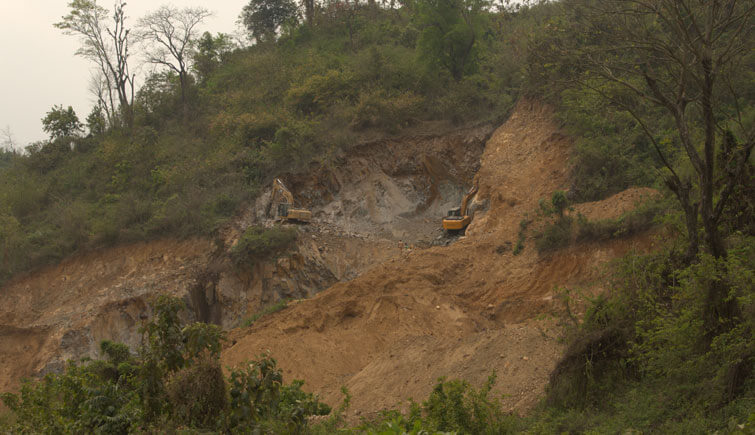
(363, 201)
(398, 312)
(63, 312)
(463, 310)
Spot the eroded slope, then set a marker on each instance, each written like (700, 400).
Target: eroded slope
(463, 310)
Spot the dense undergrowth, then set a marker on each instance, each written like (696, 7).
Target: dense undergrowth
(253, 113)
(668, 348)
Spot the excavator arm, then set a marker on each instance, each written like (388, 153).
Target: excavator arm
(457, 219)
(466, 199)
(282, 203)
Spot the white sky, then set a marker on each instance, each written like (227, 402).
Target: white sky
(38, 68)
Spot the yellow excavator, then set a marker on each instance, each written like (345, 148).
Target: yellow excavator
(283, 201)
(457, 218)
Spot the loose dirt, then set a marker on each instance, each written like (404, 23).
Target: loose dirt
(399, 311)
(465, 310)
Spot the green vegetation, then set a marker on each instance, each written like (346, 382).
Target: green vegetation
(652, 97)
(519, 247)
(258, 243)
(270, 309)
(453, 407)
(557, 231)
(644, 358)
(200, 138)
(560, 230)
(175, 381)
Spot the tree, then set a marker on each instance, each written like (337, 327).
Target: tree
(61, 122)
(96, 121)
(450, 31)
(7, 141)
(683, 60)
(209, 52)
(263, 18)
(105, 45)
(680, 56)
(309, 11)
(169, 34)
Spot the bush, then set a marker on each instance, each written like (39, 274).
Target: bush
(198, 393)
(258, 243)
(260, 400)
(174, 382)
(452, 407)
(642, 357)
(555, 235)
(386, 112)
(628, 224)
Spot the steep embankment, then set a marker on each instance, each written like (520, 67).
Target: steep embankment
(365, 201)
(63, 312)
(463, 310)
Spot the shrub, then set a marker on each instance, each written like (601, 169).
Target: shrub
(452, 407)
(260, 400)
(198, 393)
(555, 235)
(317, 92)
(456, 407)
(642, 357)
(388, 112)
(259, 243)
(627, 224)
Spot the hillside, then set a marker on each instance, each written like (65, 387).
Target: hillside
(463, 310)
(605, 284)
(364, 206)
(380, 204)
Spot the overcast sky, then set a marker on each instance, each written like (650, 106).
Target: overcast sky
(39, 69)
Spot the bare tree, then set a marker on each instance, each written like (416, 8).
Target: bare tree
(169, 34)
(103, 93)
(7, 140)
(107, 45)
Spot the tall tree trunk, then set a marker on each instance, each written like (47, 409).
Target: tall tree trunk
(309, 11)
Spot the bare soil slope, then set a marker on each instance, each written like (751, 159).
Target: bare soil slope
(365, 201)
(63, 312)
(463, 310)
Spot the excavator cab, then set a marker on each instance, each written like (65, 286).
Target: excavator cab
(454, 212)
(283, 201)
(457, 219)
(282, 209)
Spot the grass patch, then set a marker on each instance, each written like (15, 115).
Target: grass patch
(555, 235)
(270, 309)
(564, 230)
(519, 247)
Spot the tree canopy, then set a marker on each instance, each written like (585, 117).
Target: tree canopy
(59, 122)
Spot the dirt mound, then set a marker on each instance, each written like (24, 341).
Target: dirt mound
(463, 310)
(615, 206)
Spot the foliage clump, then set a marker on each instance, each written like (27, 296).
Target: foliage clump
(259, 243)
(175, 380)
(645, 356)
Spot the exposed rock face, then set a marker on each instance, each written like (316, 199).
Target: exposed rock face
(463, 310)
(397, 313)
(364, 202)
